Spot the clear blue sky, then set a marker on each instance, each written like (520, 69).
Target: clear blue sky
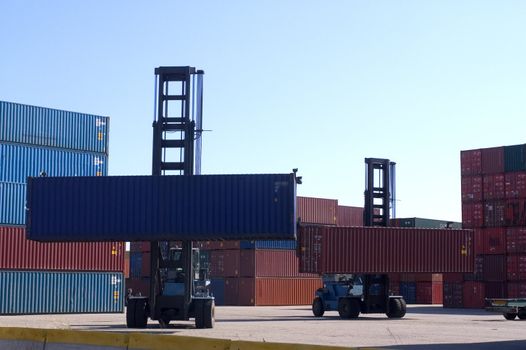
(317, 85)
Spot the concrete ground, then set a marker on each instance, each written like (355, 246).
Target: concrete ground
(424, 327)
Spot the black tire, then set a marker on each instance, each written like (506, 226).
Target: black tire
(317, 307)
(510, 316)
(199, 314)
(209, 313)
(141, 313)
(130, 313)
(348, 308)
(522, 314)
(397, 308)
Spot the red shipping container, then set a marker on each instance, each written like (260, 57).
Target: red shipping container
(139, 286)
(478, 241)
(494, 268)
(471, 188)
(494, 186)
(126, 264)
(277, 291)
(429, 277)
(139, 246)
(146, 264)
(515, 212)
(516, 289)
(395, 277)
(471, 162)
(516, 240)
(453, 294)
(224, 263)
(349, 216)
(232, 294)
(492, 160)
(515, 185)
(270, 263)
(384, 250)
(453, 277)
(429, 292)
(473, 295)
(495, 289)
(494, 213)
(317, 210)
(17, 252)
(472, 215)
(516, 267)
(494, 240)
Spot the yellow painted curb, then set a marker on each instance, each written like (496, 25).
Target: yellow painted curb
(29, 334)
(175, 342)
(87, 337)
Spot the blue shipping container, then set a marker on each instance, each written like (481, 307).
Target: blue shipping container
(53, 128)
(408, 291)
(217, 288)
(136, 264)
(17, 162)
(43, 292)
(164, 208)
(12, 203)
(258, 244)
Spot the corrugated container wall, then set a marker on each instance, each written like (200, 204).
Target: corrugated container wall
(471, 162)
(18, 162)
(16, 252)
(165, 208)
(277, 291)
(270, 263)
(317, 210)
(326, 249)
(12, 203)
(53, 128)
(515, 158)
(40, 292)
(492, 160)
(349, 216)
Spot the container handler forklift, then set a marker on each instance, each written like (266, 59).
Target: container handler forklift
(352, 294)
(178, 286)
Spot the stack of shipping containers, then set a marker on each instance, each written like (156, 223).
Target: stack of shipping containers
(419, 288)
(52, 277)
(493, 184)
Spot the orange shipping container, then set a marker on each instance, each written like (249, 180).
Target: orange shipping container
(317, 210)
(277, 291)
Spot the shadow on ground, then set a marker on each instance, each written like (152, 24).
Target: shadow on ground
(501, 345)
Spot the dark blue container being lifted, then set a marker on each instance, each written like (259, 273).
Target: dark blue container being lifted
(164, 208)
(283, 244)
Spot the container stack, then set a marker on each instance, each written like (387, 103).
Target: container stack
(71, 277)
(493, 183)
(420, 288)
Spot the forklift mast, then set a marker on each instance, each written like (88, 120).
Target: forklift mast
(380, 200)
(177, 128)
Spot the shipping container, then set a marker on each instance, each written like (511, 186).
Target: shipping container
(18, 162)
(515, 185)
(394, 287)
(138, 286)
(514, 158)
(326, 249)
(317, 210)
(45, 292)
(453, 277)
(494, 186)
(12, 203)
(473, 295)
(516, 240)
(140, 246)
(516, 267)
(258, 244)
(495, 289)
(515, 212)
(216, 245)
(349, 216)
(136, 265)
(225, 263)
(472, 215)
(494, 240)
(232, 292)
(516, 289)
(478, 241)
(271, 263)
(478, 272)
(494, 268)
(429, 292)
(217, 289)
(164, 208)
(492, 160)
(53, 128)
(471, 162)
(17, 252)
(408, 291)
(126, 264)
(277, 291)
(453, 294)
(494, 213)
(424, 223)
(471, 188)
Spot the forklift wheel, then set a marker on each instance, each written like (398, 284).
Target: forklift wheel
(317, 307)
(397, 308)
(510, 316)
(137, 313)
(348, 308)
(522, 315)
(199, 319)
(130, 313)
(209, 313)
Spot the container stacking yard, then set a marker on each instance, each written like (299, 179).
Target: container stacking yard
(52, 277)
